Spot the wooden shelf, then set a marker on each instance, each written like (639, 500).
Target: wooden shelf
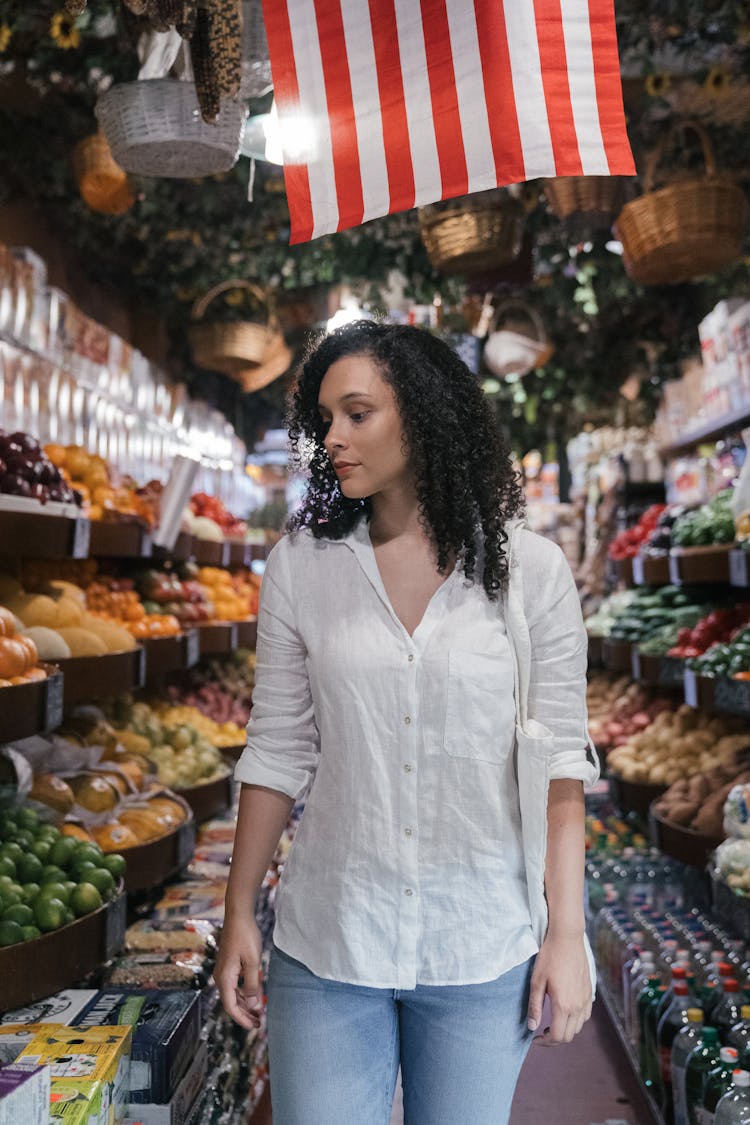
(88, 678)
(710, 430)
(29, 709)
(127, 539)
(31, 536)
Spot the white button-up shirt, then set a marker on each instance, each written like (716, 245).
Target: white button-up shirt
(408, 865)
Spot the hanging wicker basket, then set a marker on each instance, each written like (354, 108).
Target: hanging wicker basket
(510, 352)
(103, 184)
(689, 228)
(233, 347)
(474, 234)
(154, 128)
(256, 66)
(276, 362)
(589, 195)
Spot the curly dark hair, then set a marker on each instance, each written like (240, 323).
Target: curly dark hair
(462, 466)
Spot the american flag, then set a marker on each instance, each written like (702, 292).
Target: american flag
(386, 105)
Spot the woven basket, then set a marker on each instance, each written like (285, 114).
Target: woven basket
(256, 67)
(101, 181)
(510, 351)
(276, 362)
(688, 228)
(474, 234)
(154, 128)
(569, 195)
(232, 346)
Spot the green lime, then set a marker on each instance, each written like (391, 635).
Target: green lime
(7, 881)
(24, 839)
(69, 916)
(27, 818)
(7, 866)
(81, 870)
(9, 898)
(10, 933)
(41, 849)
(84, 899)
(70, 885)
(51, 873)
(30, 933)
(102, 879)
(30, 869)
(30, 891)
(49, 914)
(115, 864)
(48, 832)
(20, 913)
(52, 890)
(62, 851)
(86, 852)
(12, 849)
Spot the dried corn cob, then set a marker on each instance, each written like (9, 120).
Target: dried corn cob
(137, 7)
(154, 16)
(206, 86)
(186, 22)
(225, 45)
(74, 8)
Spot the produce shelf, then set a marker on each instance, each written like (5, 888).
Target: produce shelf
(150, 865)
(714, 428)
(239, 553)
(34, 536)
(732, 696)
(209, 799)
(29, 709)
(739, 567)
(247, 633)
(684, 844)
(126, 539)
(207, 552)
(182, 551)
(693, 566)
(699, 690)
(232, 753)
(624, 572)
(100, 677)
(616, 655)
(32, 970)
(672, 672)
(171, 654)
(634, 796)
(651, 570)
(596, 656)
(731, 908)
(219, 639)
(645, 668)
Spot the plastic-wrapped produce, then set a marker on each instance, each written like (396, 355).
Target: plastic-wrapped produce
(737, 812)
(732, 859)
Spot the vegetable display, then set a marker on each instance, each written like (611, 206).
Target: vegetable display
(712, 523)
(619, 709)
(627, 543)
(718, 627)
(657, 615)
(679, 744)
(725, 659)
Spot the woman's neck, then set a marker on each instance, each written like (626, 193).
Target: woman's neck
(395, 515)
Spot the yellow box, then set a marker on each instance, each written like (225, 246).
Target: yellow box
(96, 1054)
(77, 1101)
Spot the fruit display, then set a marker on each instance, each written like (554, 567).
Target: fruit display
(118, 599)
(731, 658)
(619, 709)
(601, 622)
(182, 755)
(712, 523)
(48, 879)
(211, 510)
(679, 744)
(716, 628)
(627, 543)
(698, 802)
(234, 597)
(220, 689)
(177, 593)
(106, 496)
(183, 715)
(26, 470)
(59, 623)
(656, 616)
(19, 656)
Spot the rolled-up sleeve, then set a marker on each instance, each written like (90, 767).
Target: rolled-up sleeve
(282, 736)
(559, 655)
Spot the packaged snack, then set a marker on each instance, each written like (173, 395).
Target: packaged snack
(24, 1095)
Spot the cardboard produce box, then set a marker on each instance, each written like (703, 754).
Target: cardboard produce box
(24, 1095)
(78, 1101)
(14, 1037)
(62, 1007)
(166, 1032)
(96, 1054)
(177, 1111)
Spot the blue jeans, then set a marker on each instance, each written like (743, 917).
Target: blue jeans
(335, 1049)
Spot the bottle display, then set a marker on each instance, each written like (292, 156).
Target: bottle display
(701, 1060)
(674, 1019)
(718, 1082)
(689, 1037)
(734, 1107)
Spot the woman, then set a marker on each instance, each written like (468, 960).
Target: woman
(411, 924)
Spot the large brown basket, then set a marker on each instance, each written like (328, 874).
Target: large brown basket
(689, 228)
(277, 361)
(473, 234)
(232, 346)
(103, 184)
(596, 195)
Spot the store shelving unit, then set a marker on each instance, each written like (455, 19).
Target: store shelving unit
(711, 430)
(608, 1004)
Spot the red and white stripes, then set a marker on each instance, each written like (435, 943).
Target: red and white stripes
(389, 104)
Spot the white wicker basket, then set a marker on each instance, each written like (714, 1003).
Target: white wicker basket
(154, 128)
(256, 67)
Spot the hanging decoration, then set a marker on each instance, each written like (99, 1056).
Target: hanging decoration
(692, 226)
(474, 234)
(380, 112)
(598, 198)
(235, 347)
(511, 352)
(103, 184)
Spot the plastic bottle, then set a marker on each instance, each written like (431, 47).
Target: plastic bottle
(648, 1003)
(739, 1036)
(728, 1012)
(690, 1036)
(669, 1026)
(734, 1107)
(719, 1080)
(647, 970)
(700, 1061)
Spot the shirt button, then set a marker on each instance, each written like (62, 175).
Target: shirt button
(408, 892)
(411, 657)
(408, 768)
(408, 832)
(407, 720)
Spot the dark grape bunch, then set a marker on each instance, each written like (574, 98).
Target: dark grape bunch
(26, 470)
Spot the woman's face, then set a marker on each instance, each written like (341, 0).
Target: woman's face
(364, 434)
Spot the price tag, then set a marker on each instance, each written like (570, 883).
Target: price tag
(139, 671)
(732, 695)
(738, 568)
(691, 688)
(192, 648)
(185, 844)
(671, 672)
(635, 660)
(81, 538)
(639, 571)
(675, 574)
(147, 546)
(114, 927)
(53, 702)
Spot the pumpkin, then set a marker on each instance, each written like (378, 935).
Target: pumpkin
(7, 623)
(14, 658)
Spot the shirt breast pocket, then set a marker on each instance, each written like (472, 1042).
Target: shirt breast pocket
(480, 715)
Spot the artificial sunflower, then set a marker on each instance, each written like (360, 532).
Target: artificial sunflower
(234, 297)
(718, 81)
(6, 34)
(63, 30)
(657, 85)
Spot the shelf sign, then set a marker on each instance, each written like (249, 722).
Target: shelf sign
(639, 571)
(738, 568)
(732, 695)
(192, 647)
(81, 537)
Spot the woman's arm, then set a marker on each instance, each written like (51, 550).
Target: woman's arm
(260, 822)
(562, 969)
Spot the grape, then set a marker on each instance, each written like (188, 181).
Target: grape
(26, 442)
(15, 485)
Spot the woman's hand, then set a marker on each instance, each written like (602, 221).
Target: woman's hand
(237, 972)
(561, 972)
